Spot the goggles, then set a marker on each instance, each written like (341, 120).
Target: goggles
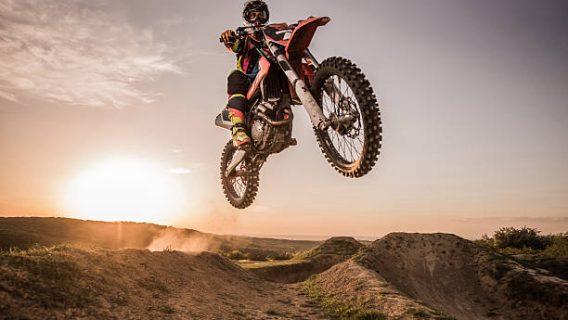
(255, 15)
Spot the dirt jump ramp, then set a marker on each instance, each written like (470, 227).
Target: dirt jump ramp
(72, 283)
(333, 251)
(464, 280)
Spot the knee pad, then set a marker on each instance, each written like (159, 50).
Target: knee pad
(237, 102)
(237, 83)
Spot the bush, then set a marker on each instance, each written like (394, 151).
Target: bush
(280, 256)
(522, 238)
(235, 255)
(558, 246)
(256, 255)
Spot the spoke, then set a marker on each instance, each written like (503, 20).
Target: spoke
(340, 145)
(349, 145)
(351, 151)
(345, 93)
(355, 156)
(361, 142)
(333, 92)
(329, 102)
(238, 184)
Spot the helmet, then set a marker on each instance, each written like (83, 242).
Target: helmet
(255, 11)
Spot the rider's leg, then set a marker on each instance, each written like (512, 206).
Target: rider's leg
(237, 89)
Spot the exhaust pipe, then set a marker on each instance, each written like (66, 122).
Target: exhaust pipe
(223, 121)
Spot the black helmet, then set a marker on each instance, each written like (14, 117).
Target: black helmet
(255, 11)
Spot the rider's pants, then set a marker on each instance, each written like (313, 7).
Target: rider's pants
(237, 87)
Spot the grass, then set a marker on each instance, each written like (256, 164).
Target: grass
(337, 308)
(507, 241)
(262, 264)
(49, 274)
(340, 309)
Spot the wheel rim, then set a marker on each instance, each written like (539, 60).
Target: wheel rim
(237, 183)
(345, 141)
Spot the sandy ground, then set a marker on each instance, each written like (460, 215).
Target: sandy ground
(401, 276)
(308, 263)
(356, 285)
(69, 283)
(465, 280)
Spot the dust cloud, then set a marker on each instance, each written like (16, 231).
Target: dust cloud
(171, 239)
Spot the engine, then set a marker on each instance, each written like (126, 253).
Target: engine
(271, 126)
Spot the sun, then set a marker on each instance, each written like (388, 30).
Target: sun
(124, 189)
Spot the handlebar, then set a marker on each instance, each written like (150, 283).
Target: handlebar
(241, 32)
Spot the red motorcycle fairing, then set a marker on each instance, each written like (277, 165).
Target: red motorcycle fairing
(295, 38)
(278, 33)
(302, 36)
(262, 73)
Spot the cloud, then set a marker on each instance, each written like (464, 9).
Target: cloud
(75, 52)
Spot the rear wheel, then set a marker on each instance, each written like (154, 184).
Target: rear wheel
(352, 143)
(241, 186)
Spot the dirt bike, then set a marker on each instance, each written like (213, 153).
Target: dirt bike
(338, 98)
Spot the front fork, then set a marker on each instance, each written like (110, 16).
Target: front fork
(331, 89)
(336, 95)
(312, 107)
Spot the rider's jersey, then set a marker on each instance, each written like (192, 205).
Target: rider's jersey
(247, 56)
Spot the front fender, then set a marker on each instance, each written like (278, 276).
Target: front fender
(302, 36)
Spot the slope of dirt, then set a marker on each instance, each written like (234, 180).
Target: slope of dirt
(557, 267)
(25, 232)
(353, 286)
(464, 280)
(341, 246)
(317, 260)
(69, 283)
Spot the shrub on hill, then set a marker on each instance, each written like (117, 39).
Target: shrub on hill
(522, 238)
(510, 240)
(558, 246)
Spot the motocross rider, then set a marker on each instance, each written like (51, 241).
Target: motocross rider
(255, 12)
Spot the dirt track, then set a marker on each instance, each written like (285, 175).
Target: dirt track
(401, 276)
(68, 283)
(317, 260)
(451, 275)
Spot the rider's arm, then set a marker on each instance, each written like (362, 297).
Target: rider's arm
(237, 46)
(231, 41)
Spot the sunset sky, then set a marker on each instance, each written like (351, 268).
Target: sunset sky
(473, 95)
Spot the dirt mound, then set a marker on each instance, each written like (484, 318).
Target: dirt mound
(467, 281)
(66, 282)
(350, 286)
(341, 246)
(317, 260)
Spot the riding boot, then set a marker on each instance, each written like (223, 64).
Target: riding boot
(240, 136)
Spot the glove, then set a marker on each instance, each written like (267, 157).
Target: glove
(228, 38)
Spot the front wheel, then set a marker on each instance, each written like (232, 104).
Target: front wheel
(352, 142)
(241, 186)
